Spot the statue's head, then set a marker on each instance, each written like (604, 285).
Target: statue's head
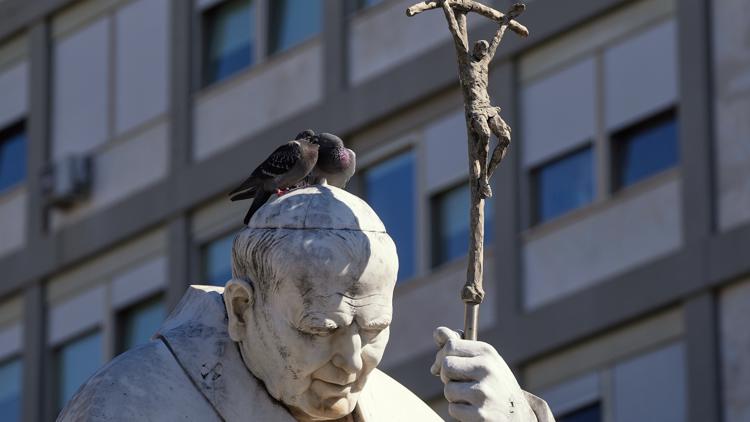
(309, 303)
(481, 48)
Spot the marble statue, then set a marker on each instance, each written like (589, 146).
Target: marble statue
(296, 335)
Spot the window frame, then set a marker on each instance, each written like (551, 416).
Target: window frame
(533, 181)
(15, 128)
(200, 247)
(55, 358)
(261, 51)
(121, 319)
(618, 137)
(5, 360)
(203, 37)
(405, 146)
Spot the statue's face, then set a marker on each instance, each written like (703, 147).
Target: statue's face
(314, 340)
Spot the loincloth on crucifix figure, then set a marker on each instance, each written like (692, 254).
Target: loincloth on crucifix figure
(482, 117)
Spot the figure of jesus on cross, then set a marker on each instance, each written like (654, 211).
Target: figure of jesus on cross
(482, 121)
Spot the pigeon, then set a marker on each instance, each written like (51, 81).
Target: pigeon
(284, 168)
(336, 163)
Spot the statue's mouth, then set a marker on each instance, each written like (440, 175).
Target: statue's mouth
(326, 389)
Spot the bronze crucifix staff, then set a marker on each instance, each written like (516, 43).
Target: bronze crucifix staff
(482, 121)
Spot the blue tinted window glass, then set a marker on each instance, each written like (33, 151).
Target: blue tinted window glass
(389, 188)
(76, 362)
(229, 39)
(141, 322)
(10, 390)
(564, 185)
(451, 214)
(293, 21)
(217, 261)
(646, 150)
(591, 413)
(12, 158)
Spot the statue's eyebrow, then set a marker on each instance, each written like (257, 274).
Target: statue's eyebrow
(316, 323)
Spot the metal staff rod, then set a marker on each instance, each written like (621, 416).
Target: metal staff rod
(482, 121)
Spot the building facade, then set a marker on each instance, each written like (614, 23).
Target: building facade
(618, 239)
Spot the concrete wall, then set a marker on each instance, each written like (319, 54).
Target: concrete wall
(122, 168)
(611, 239)
(89, 295)
(110, 90)
(423, 304)
(735, 351)
(230, 111)
(731, 50)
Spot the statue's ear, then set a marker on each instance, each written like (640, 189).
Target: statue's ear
(238, 299)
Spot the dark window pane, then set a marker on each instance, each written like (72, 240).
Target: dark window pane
(76, 362)
(646, 149)
(10, 390)
(12, 157)
(229, 40)
(292, 21)
(216, 258)
(389, 188)
(564, 185)
(140, 322)
(450, 215)
(591, 413)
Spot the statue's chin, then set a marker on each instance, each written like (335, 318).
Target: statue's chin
(325, 409)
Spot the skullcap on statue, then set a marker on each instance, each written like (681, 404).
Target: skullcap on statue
(317, 207)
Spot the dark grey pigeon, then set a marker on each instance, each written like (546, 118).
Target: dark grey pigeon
(336, 163)
(288, 165)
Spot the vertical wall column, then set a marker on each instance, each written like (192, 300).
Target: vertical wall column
(38, 128)
(33, 397)
(34, 353)
(507, 271)
(334, 47)
(180, 140)
(701, 340)
(696, 150)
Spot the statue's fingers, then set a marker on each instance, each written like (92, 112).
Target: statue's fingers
(468, 348)
(463, 392)
(457, 368)
(441, 335)
(463, 412)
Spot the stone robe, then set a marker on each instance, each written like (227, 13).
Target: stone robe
(193, 371)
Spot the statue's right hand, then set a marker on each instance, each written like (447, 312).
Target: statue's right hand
(478, 384)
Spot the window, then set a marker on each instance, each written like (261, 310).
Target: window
(292, 21)
(563, 185)
(645, 149)
(10, 390)
(390, 191)
(76, 362)
(216, 261)
(450, 219)
(12, 156)
(140, 322)
(229, 41)
(591, 413)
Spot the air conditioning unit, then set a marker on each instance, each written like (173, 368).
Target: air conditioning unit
(68, 181)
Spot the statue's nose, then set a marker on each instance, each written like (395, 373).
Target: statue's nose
(348, 355)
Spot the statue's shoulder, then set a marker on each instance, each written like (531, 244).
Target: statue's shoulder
(145, 383)
(402, 404)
